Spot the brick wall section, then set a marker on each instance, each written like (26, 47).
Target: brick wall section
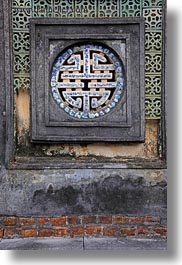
(87, 225)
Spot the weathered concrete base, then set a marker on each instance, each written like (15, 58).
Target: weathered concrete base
(106, 243)
(83, 191)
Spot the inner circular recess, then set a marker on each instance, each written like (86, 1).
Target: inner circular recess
(87, 80)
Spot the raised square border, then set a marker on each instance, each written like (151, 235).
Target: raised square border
(41, 23)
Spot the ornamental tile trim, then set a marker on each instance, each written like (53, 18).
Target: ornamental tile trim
(153, 107)
(130, 8)
(64, 9)
(107, 8)
(153, 41)
(152, 3)
(21, 63)
(21, 82)
(21, 3)
(153, 85)
(20, 19)
(86, 8)
(153, 63)
(153, 18)
(21, 42)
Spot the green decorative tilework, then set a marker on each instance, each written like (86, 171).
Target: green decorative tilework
(21, 63)
(85, 8)
(21, 42)
(153, 18)
(152, 3)
(153, 85)
(153, 41)
(153, 63)
(107, 8)
(42, 8)
(64, 8)
(23, 10)
(21, 3)
(21, 82)
(130, 8)
(153, 107)
(20, 18)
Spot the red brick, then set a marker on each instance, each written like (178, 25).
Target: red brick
(128, 231)
(150, 219)
(121, 219)
(11, 232)
(90, 219)
(45, 232)
(10, 221)
(43, 220)
(137, 219)
(76, 231)
(144, 230)
(160, 230)
(29, 233)
(58, 221)
(110, 231)
(27, 221)
(74, 220)
(105, 219)
(93, 230)
(59, 232)
(1, 233)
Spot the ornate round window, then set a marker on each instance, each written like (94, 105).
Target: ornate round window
(87, 80)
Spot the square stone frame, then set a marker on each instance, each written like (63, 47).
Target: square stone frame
(106, 129)
(8, 142)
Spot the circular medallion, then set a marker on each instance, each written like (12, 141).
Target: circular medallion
(87, 81)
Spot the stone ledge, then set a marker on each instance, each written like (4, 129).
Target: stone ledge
(93, 243)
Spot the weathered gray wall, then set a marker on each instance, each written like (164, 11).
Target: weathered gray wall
(64, 192)
(2, 90)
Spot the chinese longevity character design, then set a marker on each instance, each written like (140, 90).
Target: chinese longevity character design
(87, 80)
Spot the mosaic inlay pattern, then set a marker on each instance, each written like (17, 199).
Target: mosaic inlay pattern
(23, 10)
(87, 81)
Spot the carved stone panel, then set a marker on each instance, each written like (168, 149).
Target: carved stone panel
(87, 80)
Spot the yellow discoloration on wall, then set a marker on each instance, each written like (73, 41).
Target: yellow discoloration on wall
(148, 149)
(143, 150)
(22, 112)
